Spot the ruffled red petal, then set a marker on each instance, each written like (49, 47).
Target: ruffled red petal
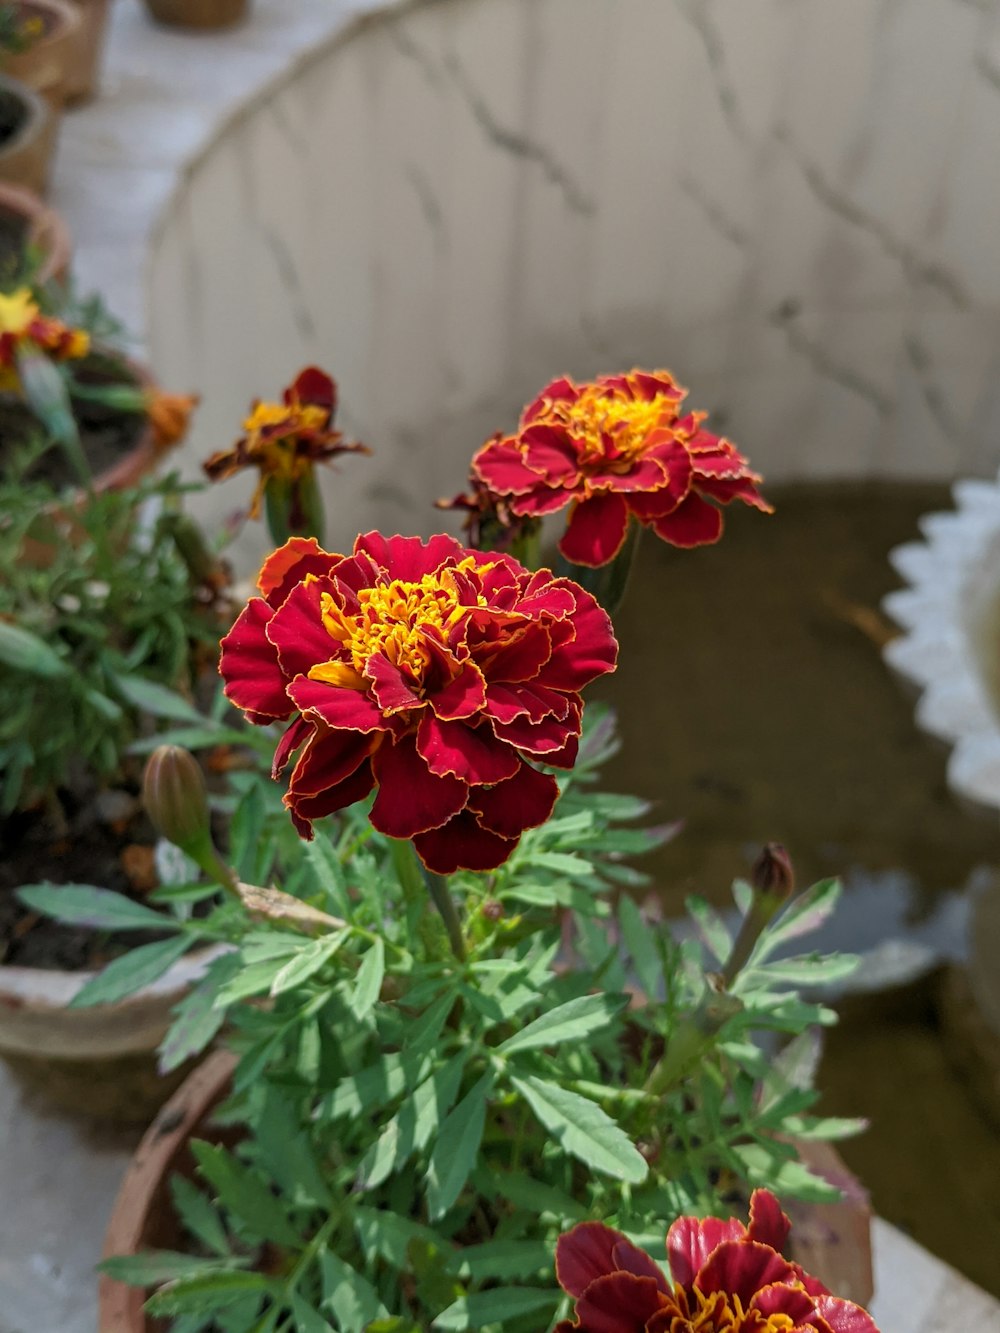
(741, 1267)
(390, 685)
(328, 759)
(595, 531)
(768, 1224)
(249, 666)
(409, 558)
(521, 802)
(591, 652)
(691, 1240)
(462, 697)
(410, 798)
(585, 1253)
(290, 564)
(304, 809)
(470, 753)
(313, 387)
(693, 523)
(295, 735)
(844, 1316)
(619, 1303)
(462, 844)
(297, 631)
(343, 709)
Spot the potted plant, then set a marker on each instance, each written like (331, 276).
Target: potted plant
(27, 136)
(107, 596)
(443, 1077)
(39, 40)
(197, 14)
(34, 239)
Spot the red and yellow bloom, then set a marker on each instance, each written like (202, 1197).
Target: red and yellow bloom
(21, 322)
(440, 675)
(614, 449)
(726, 1278)
(284, 440)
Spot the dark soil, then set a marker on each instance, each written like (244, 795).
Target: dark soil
(106, 841)
(13, 114)
(106, 434)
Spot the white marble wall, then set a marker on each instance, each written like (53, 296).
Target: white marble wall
(794, 204)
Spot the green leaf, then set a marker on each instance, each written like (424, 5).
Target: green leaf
(149, 697)
(802, 970)
(189, 738)
(784, 1176)
(376, 1085)
(414, 1124)
(245, 1194)
(567, 1022)
(640, 940)
(536, 1197)
(133, 970)
(565, 863)
(347, 1296)
(308, 1319)
(389, 1235)
(506, 1259)
(198, 1216)
(23, 651)
(100, 909)
(197, 1018)
(493, 1307)
(213, 1291)
(455, 1152)
(824, 1127)
(286, 1151)
(803, 914)
(155, 1266)
(310, 959)
(369, 979)
(711, 927)
(583, 1129)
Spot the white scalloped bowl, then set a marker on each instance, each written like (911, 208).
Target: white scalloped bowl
(950, 648)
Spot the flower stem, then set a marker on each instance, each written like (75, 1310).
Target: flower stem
(437, 887)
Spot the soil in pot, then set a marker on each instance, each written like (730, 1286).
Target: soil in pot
(28, 128)
(107, 434)
(13, 116)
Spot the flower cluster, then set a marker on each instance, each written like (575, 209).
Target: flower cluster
(284, 440)
(727, 1278)
(441, 676)
(23, 325)
(614, 449)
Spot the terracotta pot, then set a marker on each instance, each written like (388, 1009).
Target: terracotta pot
(85, 66)
(27, 151)
(44, 230)
(203, 14)
(45, 66)
(834, 1240)
(98, 1061)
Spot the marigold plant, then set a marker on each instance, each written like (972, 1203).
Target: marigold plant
(442, 676)
(614, 449)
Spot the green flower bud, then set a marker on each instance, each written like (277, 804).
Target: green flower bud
(173, 791)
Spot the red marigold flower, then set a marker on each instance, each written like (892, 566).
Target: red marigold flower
(726, 1278)
(616, 448)
(439, 675)
(21, 322)
(283, 440)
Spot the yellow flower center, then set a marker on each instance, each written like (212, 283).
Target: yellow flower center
(612, 422)
(17, 311)
(394, 619)
(724, 1313)
(276, 454)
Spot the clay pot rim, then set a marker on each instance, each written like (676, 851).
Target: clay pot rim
(50, 989)
(44, 224)
(67, 21)
(38, 114)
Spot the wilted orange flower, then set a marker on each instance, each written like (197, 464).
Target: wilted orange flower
(169, 415)
(283, 440)
(21, 322)
(614, 449)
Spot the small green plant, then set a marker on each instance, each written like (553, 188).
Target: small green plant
(96, 598)
(18, 32)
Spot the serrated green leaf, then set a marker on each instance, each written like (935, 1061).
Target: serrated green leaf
(369, 980)
(389, 1235)
(213, 1291)
(506, 1259)
(285, 1150)
(310, 959)
(347, 1296)
(801, 970)
(641, 944)
(307, 1318)
(99, 909)
(155, 1266)
(493, 1307)
(567, 1022)
(785, 1176)
(245, 1194)
(455, 1152)
(711, 927)
(197, 1215)
(803, 914)
(536, 1197)
(376, 1085)
(133, 970)
(583, 1129)
(825, 1127)
(197, 1019)
(414, 1124)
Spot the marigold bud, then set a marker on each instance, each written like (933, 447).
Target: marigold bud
(772, 872)
(173, 791)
